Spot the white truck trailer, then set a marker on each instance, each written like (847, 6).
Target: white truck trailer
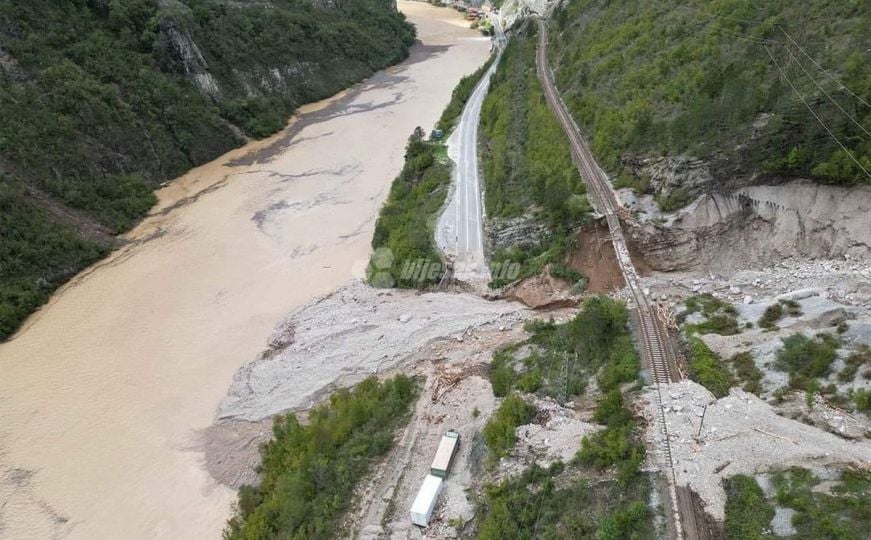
(445, 454)
(425, 502)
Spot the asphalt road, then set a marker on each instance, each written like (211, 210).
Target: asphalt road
(460, 231)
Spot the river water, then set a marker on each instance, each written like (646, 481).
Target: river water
(104, 392)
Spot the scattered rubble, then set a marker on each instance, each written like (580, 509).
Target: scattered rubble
(741, 432)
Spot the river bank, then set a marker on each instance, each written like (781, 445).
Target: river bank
(106, 389)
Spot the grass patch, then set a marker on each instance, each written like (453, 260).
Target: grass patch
(747, 371)
(858, 358)
(708, 369)
(748, 513)
(720, 317)
(309, 472)
(806, 359)
(845, 514)
(777, 311)
(545, 503)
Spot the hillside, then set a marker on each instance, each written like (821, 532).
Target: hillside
(684, 97)
(104, 100)
(533, 193)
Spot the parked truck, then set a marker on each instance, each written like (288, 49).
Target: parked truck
(425, 502)
(447, 449)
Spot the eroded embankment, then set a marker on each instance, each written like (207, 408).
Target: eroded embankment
(758, 225)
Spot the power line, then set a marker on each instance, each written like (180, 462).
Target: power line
(821, 68)
(794, 89)
(826, 93)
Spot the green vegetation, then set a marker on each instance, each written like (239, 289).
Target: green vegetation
(308, 472)
(563, 357)
(406, 255)
(777, 311)
(843, 514)
(672, 77)
(747, 372)
(35, 255)
(100, 105)
(527, 162)
(708, 369)
(499, 429)
(544, 503)
(806, 359)
(720, 316)
(748, 514)
(406, 223)
(858, 358)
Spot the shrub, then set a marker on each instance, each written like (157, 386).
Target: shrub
(499, 429)
(772, 315)
(748, 372)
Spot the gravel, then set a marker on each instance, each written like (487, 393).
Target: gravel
(740, 429)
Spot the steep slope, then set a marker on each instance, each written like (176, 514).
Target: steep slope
(679, 98)
(103, 100)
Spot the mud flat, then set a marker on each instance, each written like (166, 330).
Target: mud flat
(105, 391)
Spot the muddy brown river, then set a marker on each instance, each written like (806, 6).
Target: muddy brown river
(104, 392)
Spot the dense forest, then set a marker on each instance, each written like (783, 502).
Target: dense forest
(527, 163)
(779, 89)
(104, 99)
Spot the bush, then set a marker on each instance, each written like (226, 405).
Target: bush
(527, 162)
(499, 429)
(748, 372)
(773, 313)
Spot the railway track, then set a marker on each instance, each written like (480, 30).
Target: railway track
(653, 337)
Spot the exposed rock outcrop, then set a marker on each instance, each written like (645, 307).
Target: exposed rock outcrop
(523, 231)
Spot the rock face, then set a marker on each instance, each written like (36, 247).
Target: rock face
(760, 224)
(182, 48)
(523, 231)
(668, 174)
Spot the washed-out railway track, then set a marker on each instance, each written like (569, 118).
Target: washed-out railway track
(654, 341)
